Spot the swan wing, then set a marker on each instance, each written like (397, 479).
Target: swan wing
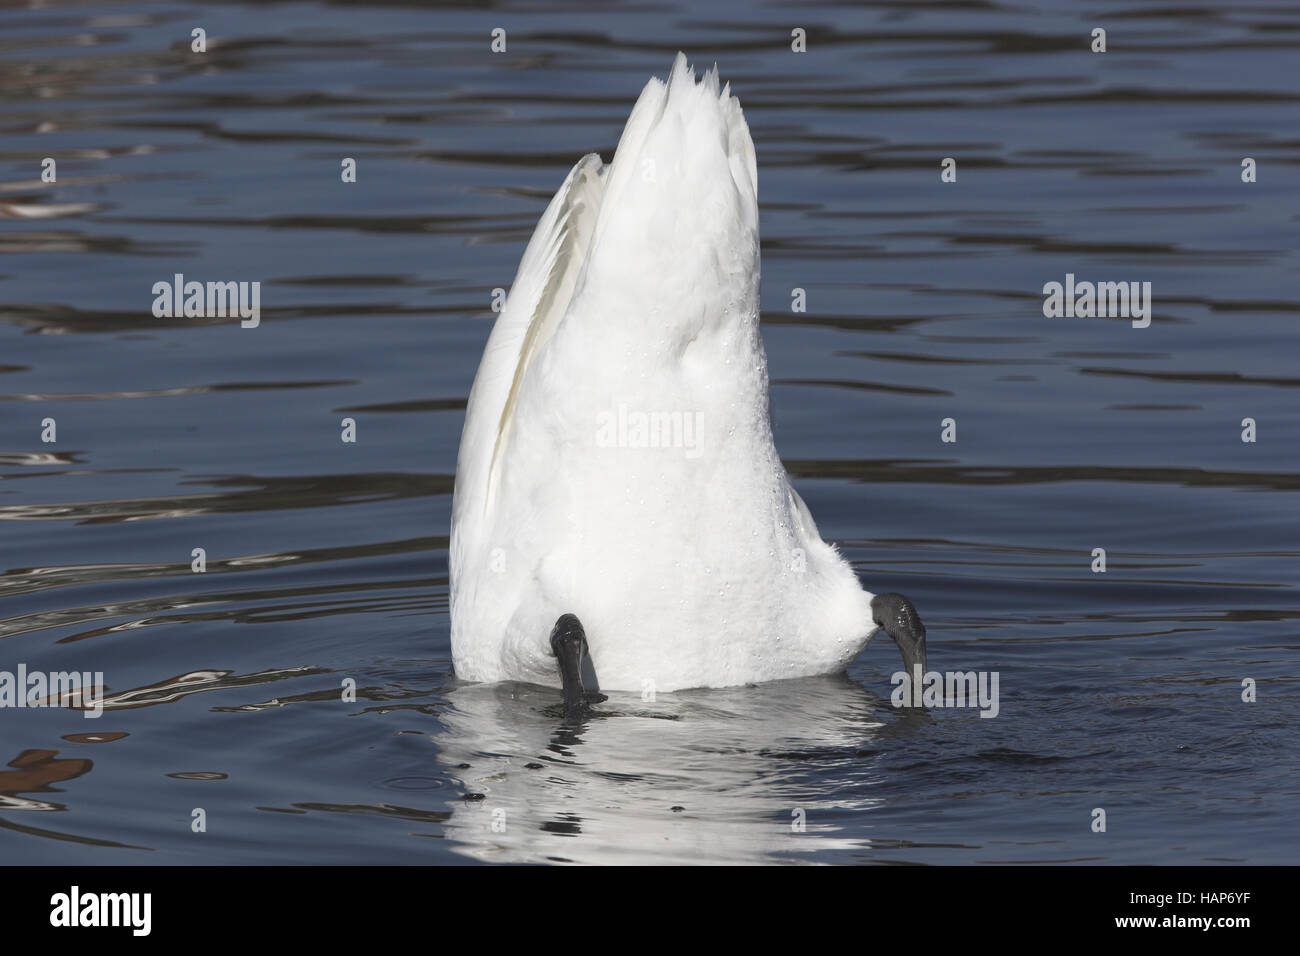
(548, 274)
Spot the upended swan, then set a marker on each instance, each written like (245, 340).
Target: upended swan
(621, 519)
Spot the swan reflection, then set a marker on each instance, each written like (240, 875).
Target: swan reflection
(747, 774)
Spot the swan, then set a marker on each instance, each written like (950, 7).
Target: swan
(620, 517)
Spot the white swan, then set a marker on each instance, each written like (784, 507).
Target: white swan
(619, 503)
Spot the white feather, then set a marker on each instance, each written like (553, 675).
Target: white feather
(693, 565)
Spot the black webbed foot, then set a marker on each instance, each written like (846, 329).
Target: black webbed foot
(897, 617)
(569, 645)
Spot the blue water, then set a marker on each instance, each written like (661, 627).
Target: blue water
(327, 562)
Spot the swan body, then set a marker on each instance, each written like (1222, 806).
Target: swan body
(617, 460)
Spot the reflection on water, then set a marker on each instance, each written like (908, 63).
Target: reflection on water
(691, 777)
(34, 772)
(298, 688)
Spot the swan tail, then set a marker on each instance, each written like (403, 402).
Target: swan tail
(679, 215)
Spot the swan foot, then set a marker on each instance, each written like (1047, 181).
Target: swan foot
(569, 645)
(897, 617)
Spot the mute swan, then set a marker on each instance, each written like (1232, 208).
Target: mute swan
(621, 519)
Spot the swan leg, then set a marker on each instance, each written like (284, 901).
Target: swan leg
(897, 617)
(569, 645)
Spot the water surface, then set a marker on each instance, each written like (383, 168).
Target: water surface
(327, 561)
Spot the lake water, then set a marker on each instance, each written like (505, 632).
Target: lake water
(327, 561)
